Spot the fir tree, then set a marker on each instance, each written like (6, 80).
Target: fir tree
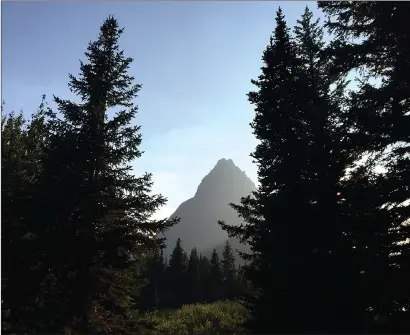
(178, 260)
(13, 229)
(150, 297)
(215, 276)
(205, 278)
(176, 276)
(228, 271)
(193, 278)
(333, 147)
(23, 144)
(292, 223)
(374, 38)
(266, 215)
(99, 224)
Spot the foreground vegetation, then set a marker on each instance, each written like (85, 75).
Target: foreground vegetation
(222, 317)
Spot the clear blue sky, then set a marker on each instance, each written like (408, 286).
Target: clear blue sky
(195, 61)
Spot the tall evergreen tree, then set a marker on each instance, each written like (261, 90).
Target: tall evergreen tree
(267, 216)
(178, 260)
(98, 223)
(333, 148)
(176, 276)
(205, 278)
(374, 38)
(150, 297)
(228, 271)
(23, 144)
(13, 230)
(300, 258)
(193, 278)
(215, 276)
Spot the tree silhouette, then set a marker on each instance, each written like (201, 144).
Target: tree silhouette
(374, 38)
(23, 143)
(176, 276)
(193, 288)
(215, 276)
(97, 224)
(300, 256)
(229, 283)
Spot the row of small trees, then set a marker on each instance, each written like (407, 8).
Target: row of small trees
(329, 240)
(191, 279)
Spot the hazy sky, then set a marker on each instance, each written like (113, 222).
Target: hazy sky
(195, 61)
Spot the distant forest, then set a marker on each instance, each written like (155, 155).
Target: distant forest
(191, 278)
(328, 227)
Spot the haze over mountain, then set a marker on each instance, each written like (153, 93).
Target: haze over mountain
(199, 215)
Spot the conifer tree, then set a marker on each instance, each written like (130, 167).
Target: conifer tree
(13, 184)
(228, 271)
(23, 144)
(178, 260)
(176, 276)
(374, 38)
(267, 216)
(215, 276)
(292, 223)
(333, 147)
(193, 278)
(205, 278)
(97, 225)
(150, 297)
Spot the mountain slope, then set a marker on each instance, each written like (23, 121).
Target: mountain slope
(199, 215)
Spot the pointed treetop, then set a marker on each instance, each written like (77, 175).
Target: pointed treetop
(103, 79)
(281, 30)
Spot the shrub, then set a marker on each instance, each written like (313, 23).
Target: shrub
(222, 317)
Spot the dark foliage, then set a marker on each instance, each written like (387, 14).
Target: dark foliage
(229, 275)
(374, 38)
(91, 214)
(307, 226)
(190, 280)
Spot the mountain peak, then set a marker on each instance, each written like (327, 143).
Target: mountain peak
(224, 161)
(223, 178)
(224, 165)
(224, 184)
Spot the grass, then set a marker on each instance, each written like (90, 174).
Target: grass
(222, 317)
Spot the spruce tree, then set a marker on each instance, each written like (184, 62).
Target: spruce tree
(333, 148)
(149, 297)
(215, 276)
(205, 278)
(176, 276)
(300, 258)
(374, 38)
(193, 278)
(99, 223)
(228, 271)
(178, 260)
(23, 143)
(13, 229)
(269, 213)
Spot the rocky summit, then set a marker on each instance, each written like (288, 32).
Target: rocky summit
(198, 227)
